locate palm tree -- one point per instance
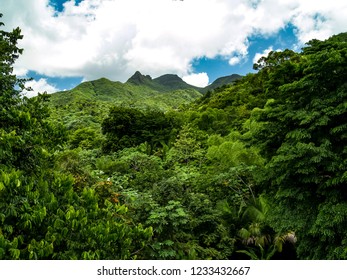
(258, 237)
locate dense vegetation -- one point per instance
(255, 169)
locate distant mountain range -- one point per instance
(170, 82)
(88, 104)
(165, 92)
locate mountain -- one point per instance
(167, 82)
(173, 82)
(139, 79)
(226, 80)
(89, 102)
(170, 82)
(140, 89)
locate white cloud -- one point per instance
(265, 53)
(234, 60)
(39, 86)
(114, 38)
(21, 72)
(320, 19)
(199, 80)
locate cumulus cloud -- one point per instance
(114, 38)
(199, 79)
(265, 53)
(39, 86)
(234, 60)
(319, 19)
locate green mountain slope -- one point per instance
(165, 92)
(164, 83)
(226, 80)
(170, 82)
(88, 103)
(141, 95)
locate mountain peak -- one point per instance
(172, 82)
(139, 79)
(226, 80)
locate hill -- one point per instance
(89, 103)
(170, 82)
(226, 80)
(164, 83)
(140, 91)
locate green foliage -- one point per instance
(89, 103)
(228, 107)
(129, 127)
(230, 152)
(43, 216)
(86, 138)
(253, 169)
(9, 52)
(25, 135)
(259, 239)
(165, 221)
(187, 148)
(303, 137)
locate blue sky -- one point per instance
(58, 4)
(67, 42)
(219, 66)
(214, 67)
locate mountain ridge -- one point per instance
(165, 92)
(169, 82)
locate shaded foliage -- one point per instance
(129, 127)
(303, 137)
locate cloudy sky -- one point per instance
(66, 42)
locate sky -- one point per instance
(68, 42)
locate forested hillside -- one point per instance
(256, 169)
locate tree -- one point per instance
(86, 138)
(187, 148)
(257, 236)
(9, 52)
(129, 127)
(41, 215)
(303, 136)
(23, 122)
